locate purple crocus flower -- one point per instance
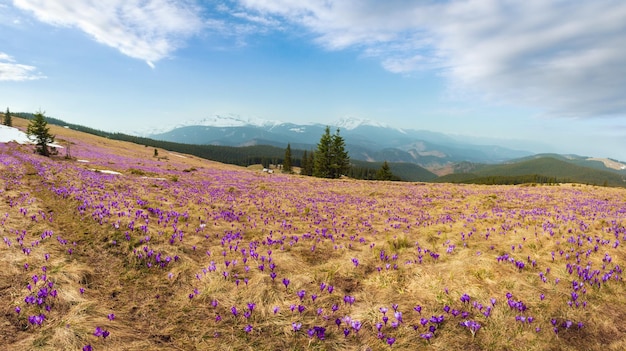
(286, 282)
(398, 316)
(301, 294)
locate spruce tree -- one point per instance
(304, 163)
(331, 158)
(384, 173)
(340, 162)
(39, 132)
(323, 156)
(310, 163)
(8, 121)
(287, 161)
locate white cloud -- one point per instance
(12, 71)
(148, 30)
(563, 57)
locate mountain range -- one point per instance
(530, 169)
(366, 140)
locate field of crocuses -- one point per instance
(178, 253)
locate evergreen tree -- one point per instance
(287, 161)
(340, 162)
(384, 173)
(331, 158)
(323, 156)
(265, 162)
(304, 164)
(310, 163)
(8, 121)
(39, 132)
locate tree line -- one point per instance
(329, 160)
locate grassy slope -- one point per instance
(545, 166)
(312, 229)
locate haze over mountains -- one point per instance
(366, 140)
(423, 156)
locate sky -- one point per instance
(541, 75)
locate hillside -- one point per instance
(523, 170)
(536, 170)
(603, 164)
(365, 140)
(115, 249)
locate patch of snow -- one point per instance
(153, 178)
(83, 161)
(298, 130)
(9, 134)
(181, 156)
(105, 171)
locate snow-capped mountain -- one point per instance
(365, 139)
(233, 121)
(350, 123)
(218, 120)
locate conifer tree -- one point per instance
(331, 158)
(310, 163)
(384, 173)
(39, 132)
(323, 156)
(287, 161)
(304, 163)
(340, 162)
(8, 121)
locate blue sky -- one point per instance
(544, 75)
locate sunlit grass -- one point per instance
(171, 259)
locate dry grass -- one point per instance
(314, 229)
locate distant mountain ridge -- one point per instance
(533, 169)
(547, 168)
(366, 140)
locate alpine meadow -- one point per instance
(109, 245)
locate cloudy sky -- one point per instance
(546, 72)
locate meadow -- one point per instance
(116, 249)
